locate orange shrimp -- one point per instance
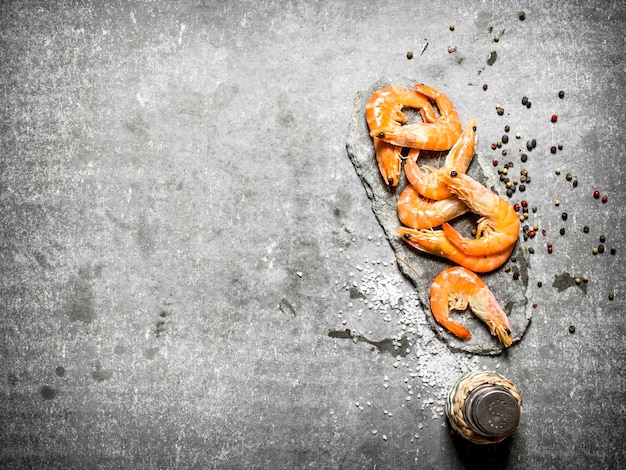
(428, 183)
(456, 288)
(419, 212)
(440, 134)
(498, 228)
(436, 243)
(384, 110)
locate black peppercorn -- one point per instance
(524, 100)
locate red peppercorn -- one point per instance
(596, 194)
(495, 163)
(549, 249)
(524, 203)
(532, 233)
(516, 207)
(534, 305)
(605, 198)
(544, 233)
(554, 118)
(494, 146)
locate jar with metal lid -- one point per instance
(484, 407)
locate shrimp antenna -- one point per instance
(407, 263)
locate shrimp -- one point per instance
(456, 288)
(440, 134)
(436, 243)
(419, 212)
(498, 228)
(428, 183)
(384, 109)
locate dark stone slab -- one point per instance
(510, 286)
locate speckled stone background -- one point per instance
(181, 225)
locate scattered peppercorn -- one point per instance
(613, 251)
(515, 276)
(586, 228)
(522, 187)
(553, 149)
(524, 158)
(585, 278)
(574, 183)
(564, 216)
(577, 281)
(560, 146)
(605, 198)
(521, 15)
(554, 118)
(562, 231)
(561, 94)
(528, 104)
(572, 329)
(507, 128)
(596, 194)
(594, 250)
(531, 250)
(611, 295)
(505, 139)
(495, 163)
(557, 171)
(451, 49)
(451, 26)
(409, 55)
(569, 177)
(496, 38)
(602, 238)
(524, 100)
(550, 250)
(529, 145)
(534, 142)
(600, 249)
(485, 86)
(557, 202)
(539, 284)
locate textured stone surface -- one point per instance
(181, 229)
(513, 295)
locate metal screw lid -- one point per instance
(492, 411)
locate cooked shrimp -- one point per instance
(498, 228)
(419, 212)
(436, 243)
(428, 183)
(456, 288)
(384, 110)
(440, 134)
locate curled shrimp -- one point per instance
(428, 183)
(456, 288)
(438, 134)
(498, 228)
(419, 212)
(436, 243)
(384, 110)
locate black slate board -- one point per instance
(513, 294)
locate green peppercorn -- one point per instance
(602, 238)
